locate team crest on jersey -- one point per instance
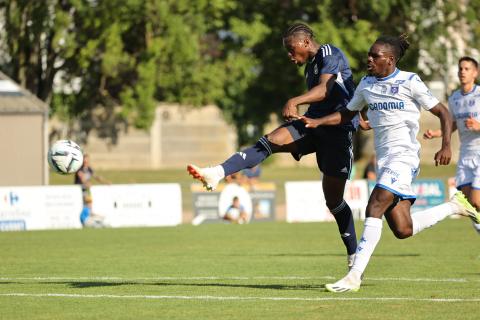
(394, 89)
(315, 69)
(471, 103)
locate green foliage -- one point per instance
(113, 61)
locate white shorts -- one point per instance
(468, 171)
(396, 174)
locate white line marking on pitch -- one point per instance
(119, 279)
(233, 298)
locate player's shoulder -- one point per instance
(455, 94)
(329, 50)
(367, 80)
(405, 76)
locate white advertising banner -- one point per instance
(305, 201)
(42, 207)
(133, 205)
(356, 195)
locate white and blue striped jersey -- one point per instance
(394, 110)
(463, 106)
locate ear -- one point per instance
(391, 60)
(306, 42)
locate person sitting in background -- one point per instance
(87, 217)
(85, 175)
(236, 213)
(252, 175)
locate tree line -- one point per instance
(106, 64)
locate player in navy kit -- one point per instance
(330, 88)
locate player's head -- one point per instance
(298, 40)
(384, 54)
(467, 70)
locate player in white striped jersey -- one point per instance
(394, 98)
(464, 105)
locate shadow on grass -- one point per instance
(97, 284)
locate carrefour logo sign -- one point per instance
(10, 198)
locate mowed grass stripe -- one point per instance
(286, 278)
(234, 298)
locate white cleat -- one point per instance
(464, 207)
(351, 282)
(210, 177)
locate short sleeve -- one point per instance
(421, 94)
(358, 101)
(330, 60)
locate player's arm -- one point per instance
(432, 134)
(472, 124)
(316, 94)
(443, 156)
(333, 119)
(363, 122)
(339, 117)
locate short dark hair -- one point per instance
(469, 59)
(399, 44)
(298, 29)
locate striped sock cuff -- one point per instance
(265, 144)
(339, 208)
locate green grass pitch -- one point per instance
(219, 271)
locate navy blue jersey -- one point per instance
(330, 60)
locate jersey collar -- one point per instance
(393, 74)
(471, 91)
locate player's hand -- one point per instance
(430, 134)
(290, 110)
(364, 125)
(443, 156)
(310, 123)
(472, 124)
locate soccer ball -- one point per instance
(65, 157)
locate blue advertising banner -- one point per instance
(430, 193)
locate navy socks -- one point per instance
(346, 227)
(247, 158)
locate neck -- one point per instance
(314, 50)
(388, 72)
(467, 87)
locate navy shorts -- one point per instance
(332, 145)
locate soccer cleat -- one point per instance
(349, 283)
(465, 208)
(210, 177)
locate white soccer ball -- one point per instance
(65, 157)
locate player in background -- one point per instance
(464, 105)
(394, 98)
(330, 87)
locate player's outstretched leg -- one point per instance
(248, 158)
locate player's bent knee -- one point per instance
(403, 233)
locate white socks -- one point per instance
(370, 237)
(427, 218)
(219, 171)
